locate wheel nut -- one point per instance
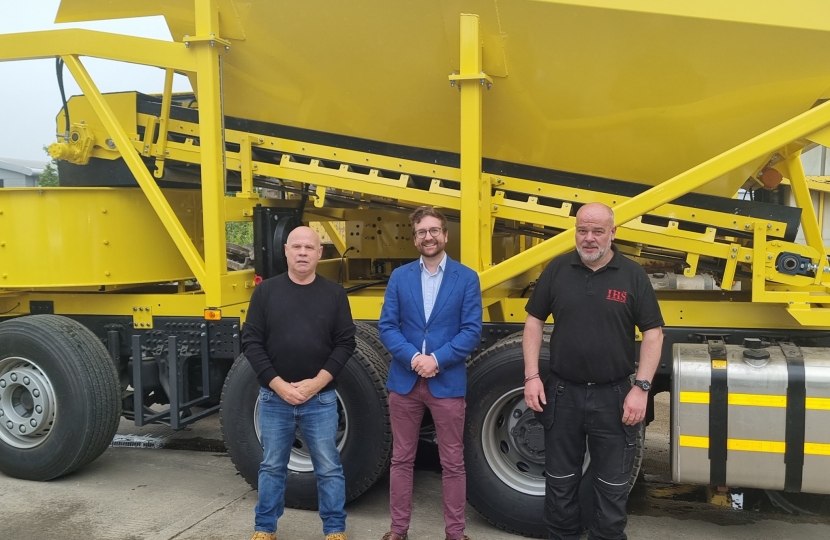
(2, 413)
(2, 383)
(36, 392)
(9, 424)
(39, 409)
(22, 428)
(33, 423)
(26, 381)
(517, 413)
(13, 377)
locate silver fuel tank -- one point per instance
(755, 416)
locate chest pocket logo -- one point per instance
(617, 296)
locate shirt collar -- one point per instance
(613, 263)
(441, 265)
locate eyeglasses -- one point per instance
(434, 232)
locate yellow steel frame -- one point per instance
(476, 221)
(361, 175)
(140, 172)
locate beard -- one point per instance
(601, 251)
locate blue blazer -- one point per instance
(451, 333)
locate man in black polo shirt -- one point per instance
(596, 297)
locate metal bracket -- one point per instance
(142, 317)
(187, 40)
(482, 77)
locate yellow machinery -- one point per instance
(509, 115)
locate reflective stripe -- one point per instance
(748, 445)
(755, 400)
(817, 449)
(694, 397)
(559, 477)
(609, 483)
(818, 404)
(692, 441)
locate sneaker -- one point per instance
(336, 536)
(393, 536)
(259, 535)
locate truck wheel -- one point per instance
(505, 476)
(60, 398)
(364, 435)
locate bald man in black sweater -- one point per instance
(298, 335)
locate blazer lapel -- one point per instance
(447, 285)
(415, 287)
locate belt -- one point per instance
(616, 382)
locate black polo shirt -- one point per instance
(594, 315)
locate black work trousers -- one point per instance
(575, 413)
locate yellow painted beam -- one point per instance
(212, 146)
(138, 169)
(476, 221)
(160, 147)
(809, 222)
(347, 180)
(663, 193)
(334, 235)
(135, 50)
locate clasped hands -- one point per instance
(425, 365)
(297, 392)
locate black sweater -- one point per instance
(293, 331)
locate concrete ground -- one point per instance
(166, 494)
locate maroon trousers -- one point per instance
(406, 412)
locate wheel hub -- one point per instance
(529, 436)
(27, 403)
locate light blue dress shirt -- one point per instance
(430, 285)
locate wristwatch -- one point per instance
(644, 385)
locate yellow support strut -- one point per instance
(476, 220)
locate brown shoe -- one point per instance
(258, 535)
(393, 536)
(465, 537)
(336, 536)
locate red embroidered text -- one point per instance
(616, 296)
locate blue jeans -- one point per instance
(317, 419)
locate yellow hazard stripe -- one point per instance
(691, 441)
(818, 404)
(817, 449)
(756, 400)
(694, 397)
(748, 445)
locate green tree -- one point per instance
(240, 232)
(49, 176)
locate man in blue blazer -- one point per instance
(430, 322)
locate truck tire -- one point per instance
(505, 479)
(364, 436)
(60, 397)
(371, 337)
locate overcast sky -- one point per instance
(29, 95)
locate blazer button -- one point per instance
(426, 331)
